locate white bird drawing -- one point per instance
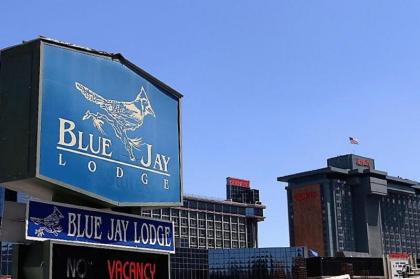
(122, 116)
(50, 223)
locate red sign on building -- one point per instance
(307, 218)
(398, 255)
(299, 197)
(238, 182)
(363, 163)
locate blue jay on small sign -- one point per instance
(50, 223)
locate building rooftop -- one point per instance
(114, 56)
(221, 201)
(350, 165)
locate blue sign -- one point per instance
(53, 221)
(105, 131)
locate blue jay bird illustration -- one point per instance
(50, 224)
(121, 116)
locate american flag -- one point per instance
(353, 140)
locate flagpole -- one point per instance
(353, 141)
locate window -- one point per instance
(202, 206)
(193, 222)
(184, 222)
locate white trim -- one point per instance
(181, 169)
(92, 245)
(40, 95)
(101, 245)
(100, 210)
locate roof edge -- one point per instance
(115, 56)
(325, 170)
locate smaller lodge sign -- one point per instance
(53, 221)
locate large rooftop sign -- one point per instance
(91, 122)
(231, 181)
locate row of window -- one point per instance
(214, 207)
(344, 217)
(195, 242)
(401, 223)
(193, 215)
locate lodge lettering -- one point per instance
(70, 139)
(89, 226)
(53, 221)
(96, 147)
(84, 226)
(150, 234)
(118, 231)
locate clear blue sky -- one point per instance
(271, 87)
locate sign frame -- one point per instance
(120, 59)
(99, 245)
(51, 244)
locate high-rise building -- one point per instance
(215, 223)
(351, 206)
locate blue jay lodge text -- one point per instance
(53, 221)
(118, 230)
(98, 148)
